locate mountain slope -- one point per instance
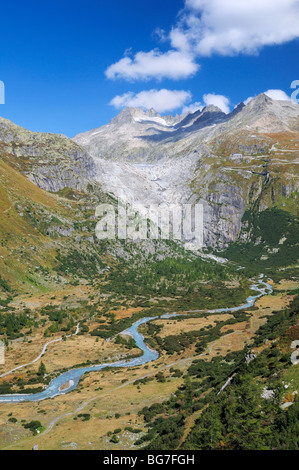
(225, 162)
(135, 135)
(48, 200)
(51, 161)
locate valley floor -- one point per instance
(108, 403)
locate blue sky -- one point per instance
(70, 66)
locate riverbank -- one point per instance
(58, 385)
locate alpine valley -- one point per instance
(197, 348)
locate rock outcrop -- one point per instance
(51, 161)
(222, 161)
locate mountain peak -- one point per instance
(126, 116)
(130, 114)
(152, 113)
(237, 109)
(211, 108)
(261, 100)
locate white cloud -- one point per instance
(274, 94)
(160, 34)
(161, 100)
(168, 100)
(277, 95)
(207, 27)
(238, 26)
(217, 100)
(250, 98)
(173, 64)
(192, 108)
(179, 40)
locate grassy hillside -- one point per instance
(257, 409)
(268, 238)
(267, 243)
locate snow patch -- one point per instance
(155, 120)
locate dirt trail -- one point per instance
(40, 355)
(52, 424)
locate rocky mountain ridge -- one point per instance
(222, 161)
(51, 161)
(225, 162)
(138, 136)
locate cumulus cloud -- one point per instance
(193, 107)
(161, 100)
(168, 100)
(221, 101)
(173, 64)
(250, 98)
(207, 27)
(217, 100)
(238, 26)
(277, 95)
(274, 94)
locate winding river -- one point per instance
(69, 380)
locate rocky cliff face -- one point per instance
(138, 136)
(223, 161)
(51, 161)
